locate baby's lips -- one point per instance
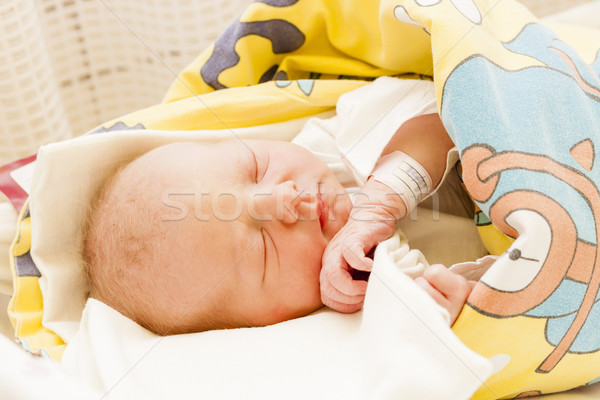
(322, 211)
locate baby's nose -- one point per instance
(297, 204)
(281, 203)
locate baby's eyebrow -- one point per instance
(255, 165)
(251, 157)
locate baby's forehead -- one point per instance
(179, 162)
(217, 154)
(187, 180)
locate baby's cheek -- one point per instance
(312, 277)
(251, 272)
(306, 296)
(304, 264)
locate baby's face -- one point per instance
(246, 224)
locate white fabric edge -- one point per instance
(394, 348)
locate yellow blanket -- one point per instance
(520, 101)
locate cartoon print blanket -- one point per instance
(520, 100)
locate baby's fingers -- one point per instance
(452, 286)
(341, 280)
(355, 257)
(452, 290)
(342, 303)
(431, 291)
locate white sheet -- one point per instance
(23, 377)
(400, 344)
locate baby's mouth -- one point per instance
(322, 208)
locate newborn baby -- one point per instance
(193, 236)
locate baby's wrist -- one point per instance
(404, 176)
(378, 198)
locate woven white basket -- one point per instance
(66, 66)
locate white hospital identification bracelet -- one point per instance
(404, 176)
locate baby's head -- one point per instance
(193, 236)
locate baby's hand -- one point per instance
(448, 289)
(372, 220)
